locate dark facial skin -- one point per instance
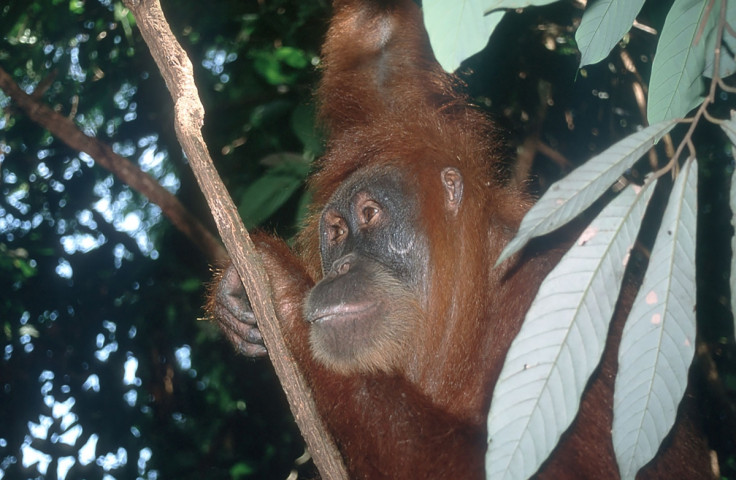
(374, 214)
(364, 310)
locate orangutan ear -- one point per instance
(452, 180)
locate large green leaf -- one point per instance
(676, 85)
(458, 29)
(602, 26)
(269, 192)
(658, 341)
(560, 344)
(567, 198)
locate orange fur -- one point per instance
(386, 102)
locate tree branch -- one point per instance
(65, 129)
(178, 73)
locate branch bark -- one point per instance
(64, 129)
(178, 73)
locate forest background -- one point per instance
(105, 370)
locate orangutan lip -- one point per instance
(342, 311)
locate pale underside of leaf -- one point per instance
(658, 341)
(457, 30)
(676, 85)
(727, 65)
(561, 342)
(569, 197)
(491, 5)
(603, 24)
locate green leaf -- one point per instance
(457, 29)
(676, 86)
(241, 470)
(280, 66)
(292, 57)
(658, 341)
(269, 192)
(560, 343)
(303, 124)
(76, 6)
(567, 198)
(602, 26)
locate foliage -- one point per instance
(105, 370)
(544, 376)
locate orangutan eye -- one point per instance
(370, 212)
